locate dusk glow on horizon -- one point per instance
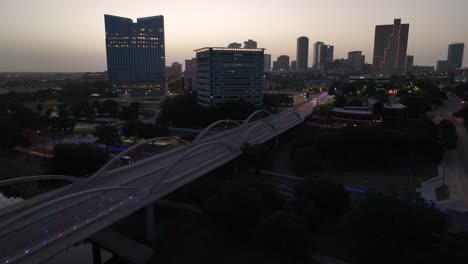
(69, 36)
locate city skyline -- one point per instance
(69, 37)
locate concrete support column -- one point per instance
(150, 223)
(96, 253)
(277, 141)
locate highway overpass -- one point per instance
(34, 230)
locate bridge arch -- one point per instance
(288, 113)
(253, 128)
(247, 120)
(208, 128)
(117, 157)
(183, 156)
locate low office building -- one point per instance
(293, 97)
(389, 114)
(229, 74)
(148, 105)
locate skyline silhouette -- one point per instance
(52, 35)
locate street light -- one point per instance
(43, 142)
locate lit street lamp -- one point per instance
(43, 142)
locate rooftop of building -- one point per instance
(227, 49)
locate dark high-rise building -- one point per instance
(282, 63)
(250, 44)
(189, 74)
(267, 61)
(442, 66)
(356, 61)
(234, 45)
(174, 70)
(293, 66)
(325, 56)
(316, 53)
(455, 55)
(390, 46)
(136, 54)
(302, 55)
(190, 67)
(275, 66)
(225, 74)
(409, 63)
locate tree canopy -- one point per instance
(108, 135)
(385, 228)
(77, 160)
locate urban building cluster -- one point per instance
(137, 65)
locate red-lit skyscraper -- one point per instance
(390, 46)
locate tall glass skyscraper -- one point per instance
(390, 47)
(302, 55)
(316, 53)
(136, 54)
(455, 55)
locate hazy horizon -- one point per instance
(65, 36)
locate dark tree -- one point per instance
(284, 234)
(77, 160)
(128, 113)
(96, 106)
(305, 160)
(39, 107)
(11, 135)
(63, 110)
(448, 134)
(236, 208)
(132, 129)
(110, 107)
(135, 106)
(182, 111)
(385, 228)
(148, 131)
(340, 101)
(108, 135)
(27, 119)
(329, 198)
(62, 124)
(258, 157)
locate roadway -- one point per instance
(454, 163)
(34, 232)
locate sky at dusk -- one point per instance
(59, 35)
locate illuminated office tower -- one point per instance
(390, 47)
(136, 54)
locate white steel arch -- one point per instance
(254, 114)
(254, 127)
(208, 128)
(125, 152)
(183, 156)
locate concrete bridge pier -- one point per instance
(96, 253)
(150, 223)
(277, 141)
